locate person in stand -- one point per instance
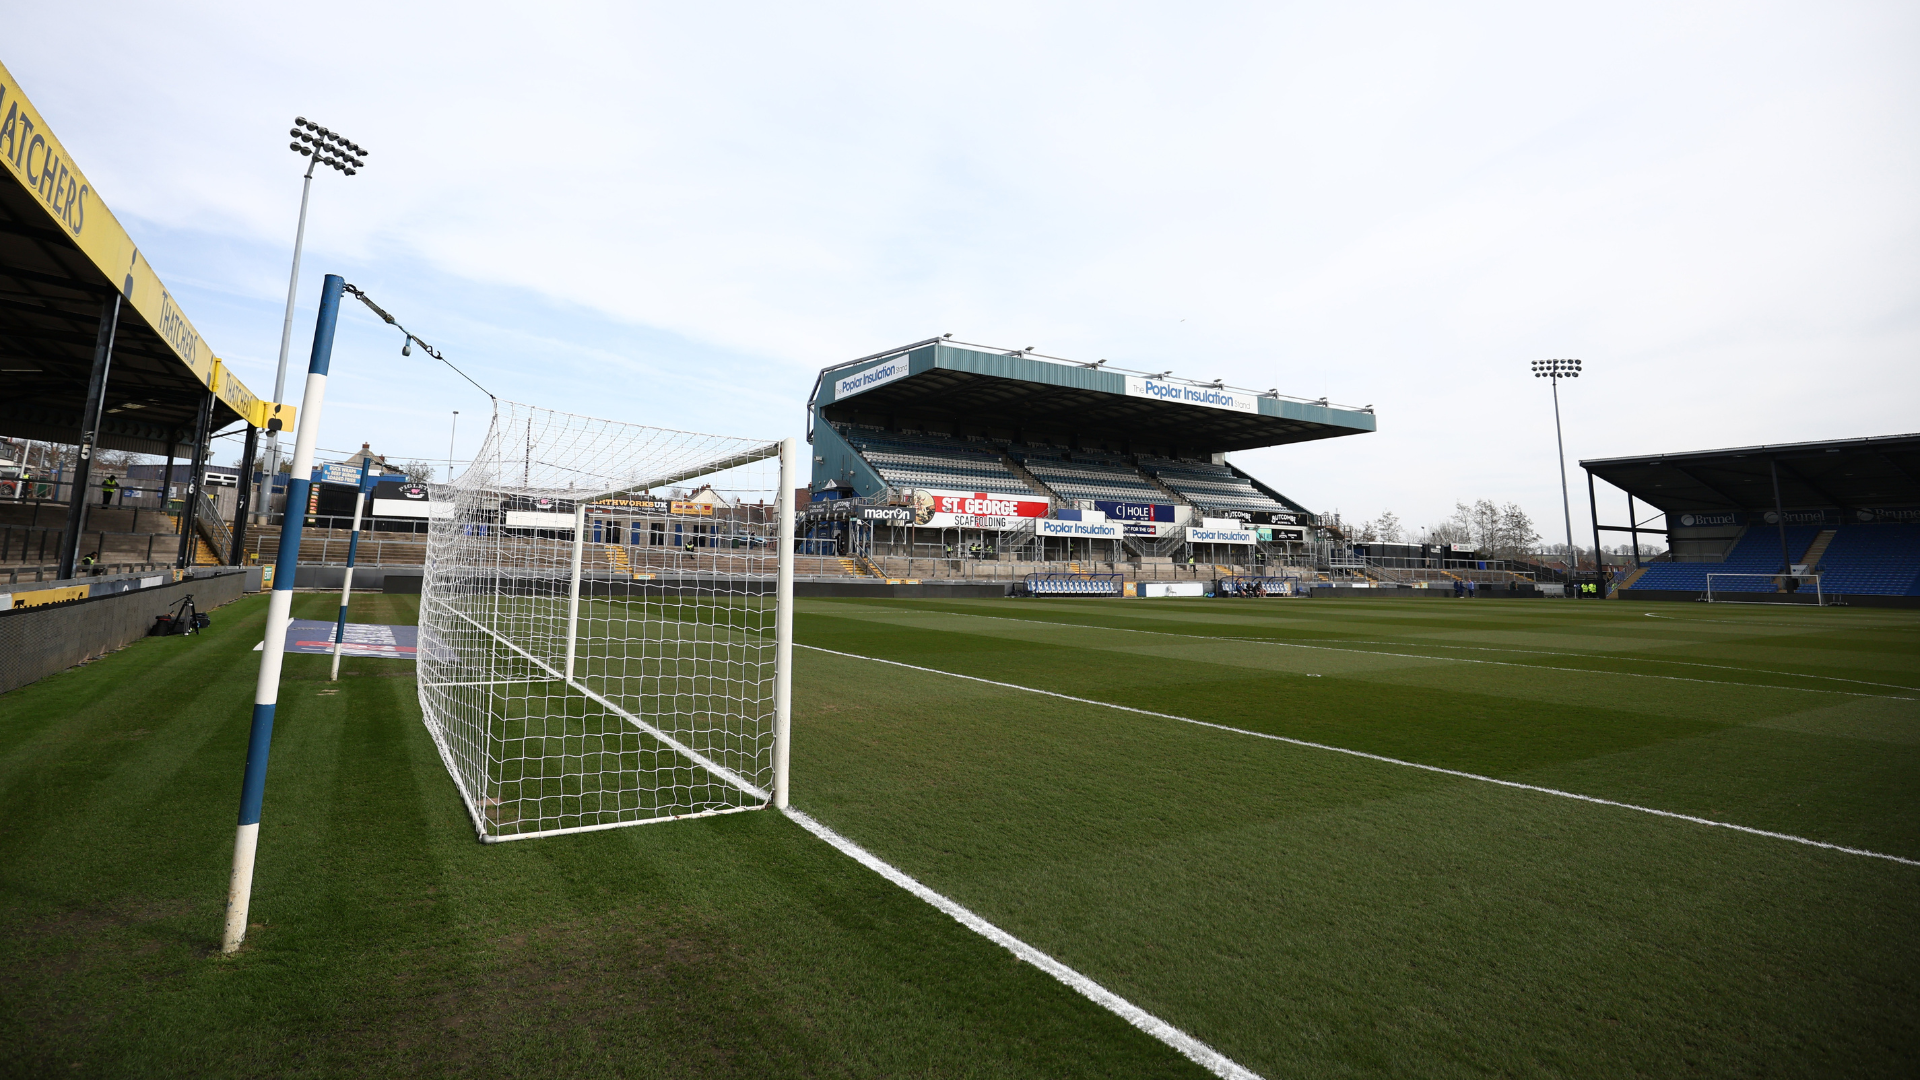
(87, 561)
(108, 488)
(689, 547)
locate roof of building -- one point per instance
(1881, 471)
(63, 260)
(947, 383)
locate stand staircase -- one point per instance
(1817, 549)
(1028, 478)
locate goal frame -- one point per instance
(1819, 597)
(770, 788)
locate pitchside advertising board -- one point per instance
(973, 510)
(1220, 536)
(1079, 530)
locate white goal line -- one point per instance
(689, 752)
(1556, 792)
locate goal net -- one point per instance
(605, 623)
(1728, 588)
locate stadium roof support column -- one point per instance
(89, 434)
(1599, 566)
(245, 491)
(1780, 517)
(190, 513)
(1633, 524)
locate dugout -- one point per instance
(95, 351)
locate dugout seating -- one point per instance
(1086, 474)
(935, 461)
(1210, 486)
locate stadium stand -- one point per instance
(1211, 486)
(1082, 474)
(1756, 552)
(1872, 560)
(935, 461)
(1851, 508)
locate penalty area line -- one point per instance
(1186, 1045)
(1515, 784)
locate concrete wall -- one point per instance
(36, 642)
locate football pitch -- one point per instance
(1326, 838)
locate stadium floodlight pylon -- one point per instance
(606, 624)
(1733, 587)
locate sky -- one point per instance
(677, 214)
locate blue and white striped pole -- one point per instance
(266, 692)
(346, 587)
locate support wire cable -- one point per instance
(413, 339)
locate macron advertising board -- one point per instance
(973, 510)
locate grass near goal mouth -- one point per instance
(1306, 913)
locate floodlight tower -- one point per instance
(1557, 370)
(321, 147)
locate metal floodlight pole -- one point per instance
(321, 147)
(1557, 370)
(266, 694)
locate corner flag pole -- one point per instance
(346, 587)
(266, 694)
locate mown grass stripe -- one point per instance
(1594, 799)
(1441, 659)
(1186, 1045)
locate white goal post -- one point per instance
(1731, 588)
(606, 624)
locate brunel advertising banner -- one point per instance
(1129, 511)
(973, 510)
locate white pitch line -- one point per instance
(1383, 758)
(1189, 1047)
(1440, 659)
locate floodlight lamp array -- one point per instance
(1556, 369)
(328, 147)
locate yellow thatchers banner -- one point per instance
(42, 166)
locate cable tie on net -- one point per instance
(412, 337)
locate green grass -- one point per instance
(1307, 913)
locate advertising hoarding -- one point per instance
(1084, 530)
(1220, 536)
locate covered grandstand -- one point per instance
(1846, 510)
(943, 449)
